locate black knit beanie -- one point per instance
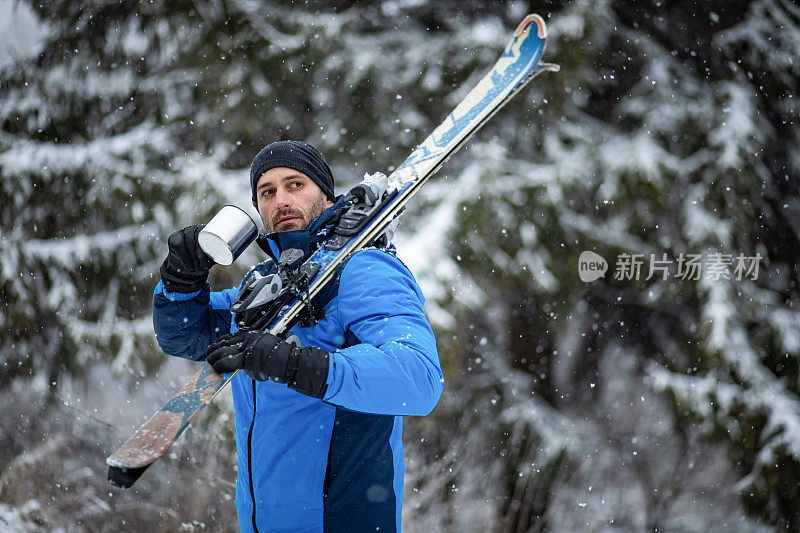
(297, 155)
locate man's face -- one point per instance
(288, 200)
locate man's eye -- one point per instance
(267, 192)
(297, 184)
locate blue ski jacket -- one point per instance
(336, 463)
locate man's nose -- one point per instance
(282, 198)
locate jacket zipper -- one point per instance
(250, 458)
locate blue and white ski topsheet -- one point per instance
(517, 66)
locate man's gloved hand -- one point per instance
(186, 267)
(264, 356)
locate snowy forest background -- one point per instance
(630, 404)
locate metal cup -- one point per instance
(227, 235)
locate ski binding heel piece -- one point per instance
(258, 291)
(355, 219)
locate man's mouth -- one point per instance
(286, 218)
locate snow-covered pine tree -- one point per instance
(669, 131)
(97, 169)
(132, 121)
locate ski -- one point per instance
(516, 67)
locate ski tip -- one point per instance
(551, 67)
(541, 31)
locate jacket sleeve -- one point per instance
(185, 324)
(395, 369)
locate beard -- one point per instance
(302, 217)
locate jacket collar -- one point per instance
(304, 239)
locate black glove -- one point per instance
(186, 267)
(264, 356)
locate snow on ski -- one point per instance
(518, 64)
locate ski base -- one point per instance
(150, 442)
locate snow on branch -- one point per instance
(432, 231)
(71, 252)
(755, 388)
(771, 31)
(118, 154)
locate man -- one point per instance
(318, 427)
